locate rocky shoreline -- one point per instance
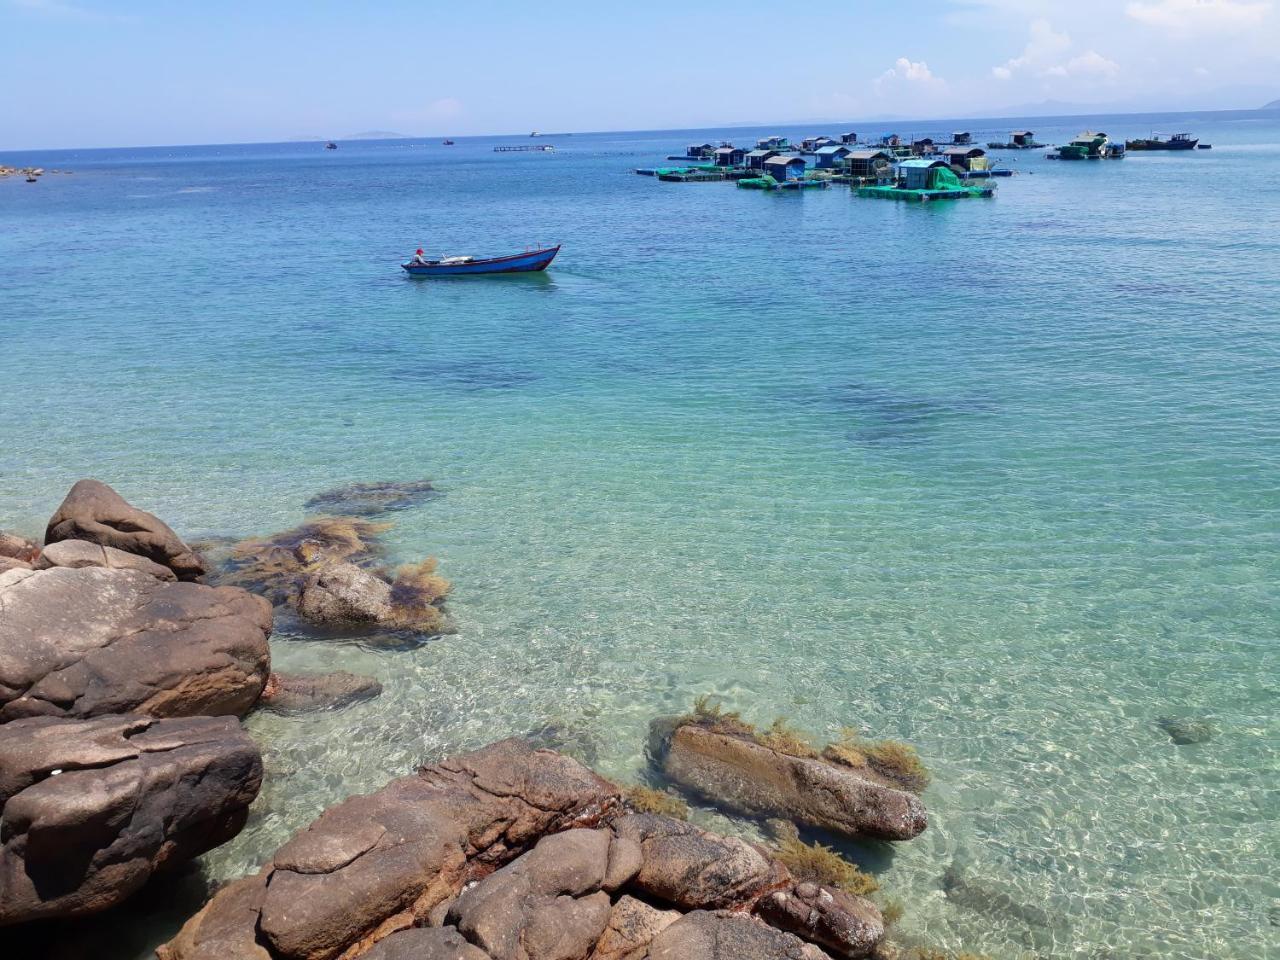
(128, 658)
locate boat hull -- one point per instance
(1162, 144)
(530, 262)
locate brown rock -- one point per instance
(13, 563)
(694, 869)
(632, 925)
(423, 943)
(81, 642)
(298, 692)
(15, 547)
(703, 935)
(93, 511)
(737, 773)
(92, 808)
(82, 553)
(381, 863)
(845, 925)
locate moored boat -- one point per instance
(530, 261)
(331, 145)
(1178, 141)
(448, 143)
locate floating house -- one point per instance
(849, 137)
(923, 147)
(966, 157)
(918, 174)
(785, 168)
(961, 138)
(1089, 145)
(756, 158)
(890, 140)
(1018, 140)
(773, 143)
(867, 163)
(700, 151)
(814, 144)
(829, 156)
(729, 156)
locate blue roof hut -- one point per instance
(785, 168)
(917, 173)
(829, 157)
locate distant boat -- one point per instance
(530, 261)
(331, 145)
(31, 179)
(1179, 141)
(535, 134)
(448, 143)
(1087, 146)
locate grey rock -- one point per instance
(93, 808)
(82, 642)
(425, 943)
(93, 511)
(632, 925)
(844, 925)
(341, 592)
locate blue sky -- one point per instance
(97, 73)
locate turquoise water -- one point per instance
(996, 477)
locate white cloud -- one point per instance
(1091, 64)
(1044, 55)
(1192, 16)
(908, 71)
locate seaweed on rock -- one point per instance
(891, 759)
(648, 800)
(815, 863)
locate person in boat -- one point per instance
(419, 257)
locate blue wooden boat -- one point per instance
(527, 262)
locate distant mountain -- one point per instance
(378, 135)
(1273, 105)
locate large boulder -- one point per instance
(341, 592)
(735, 771)
(381, 863)
(82, 553)
(695, 869)
(93, 511)
(92, 808)
(301, 692)
(632, 926)
(82, 642)
(721, 935)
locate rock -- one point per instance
(340, 593)
(82, 553)
(82, 642)
(1186, 730)
(632, 925)
(423, 943)
(735, 772)
(15, 547)
(93, 511)
(92, 808)
(299, 692)
(693, 869)
(548, 904)
(13, 563)
(381, 863)
(371, 499)
(703, 935)
(845, 925)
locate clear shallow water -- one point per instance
(996, 477)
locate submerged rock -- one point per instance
(94, 512)
(301, 692)
(92, 808)
(372, 499)
(731, 769)
(82, 642)
(329, 569)
(1187, 730)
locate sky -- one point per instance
(83, 73)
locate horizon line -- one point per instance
(564, 133)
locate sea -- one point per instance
(997, 477)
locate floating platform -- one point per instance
(983, 174)
(526, 148)
(690, 176)
(902, 193)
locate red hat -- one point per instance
(419, 250)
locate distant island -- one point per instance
(1273, 105)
